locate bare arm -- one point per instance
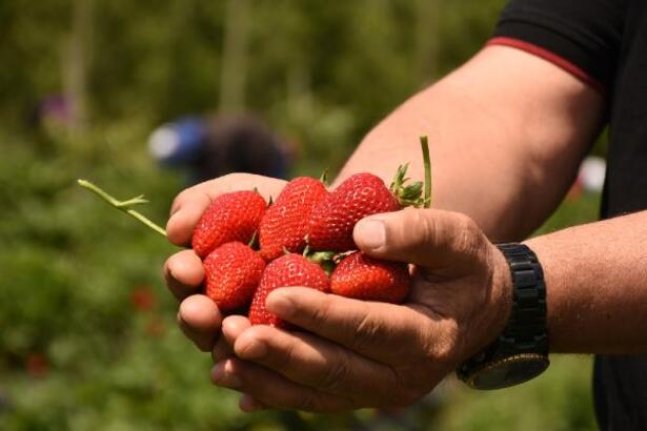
(596, 276)
(507, 131)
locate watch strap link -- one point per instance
(526, 328)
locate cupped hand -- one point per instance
(355, 354)
(198, 316)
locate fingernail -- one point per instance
(222, 375)
(370, 233)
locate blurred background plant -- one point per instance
(88, 338)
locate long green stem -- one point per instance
(124, 205)
(426, 160)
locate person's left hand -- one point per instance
(198, 316)
(355, 354)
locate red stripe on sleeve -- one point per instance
(551, 57)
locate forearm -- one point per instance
(596, 280)
(506, 133)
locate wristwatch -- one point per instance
(520, 353)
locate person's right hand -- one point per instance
(352, 354)
(198, 316)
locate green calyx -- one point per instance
(325, 259)
(407, 195)
(417, 194)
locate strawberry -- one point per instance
(285, 223)
(288, 270)
(332, 221)
(232, 273)
(362, 277)
(232, 216)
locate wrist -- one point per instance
(502, 292)
(495, 313)
(520, 352)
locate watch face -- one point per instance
(510, 371)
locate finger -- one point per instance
(272, 390)
(189, 205)
(314, 362)
(232, 327)
(443, 241)
(183, 273)
(200, 319)
(185, 213)
(383, 332)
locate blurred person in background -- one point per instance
(207, 147)
(508, 131)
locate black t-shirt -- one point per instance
(604, 43)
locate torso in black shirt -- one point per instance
(607, 39)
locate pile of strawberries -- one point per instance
(304, 238)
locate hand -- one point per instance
(198, 316)
(357, 354)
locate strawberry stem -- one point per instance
(426, 160)
(124, 206)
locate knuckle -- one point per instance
(426, 227)
(285, 361)
(403, 389)
(469, 238)
(335, 374)
(308, 402)
(282, 353)
(368, 328)
(443, 346)
(319, 315)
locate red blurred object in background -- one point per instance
(37, 365)
(143, 298)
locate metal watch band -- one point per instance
(524, 340)
(526, 328)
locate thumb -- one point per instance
(442, 241)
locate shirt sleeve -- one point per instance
(581, 36)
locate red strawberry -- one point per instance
(362, 277)
(288, 270)
(285, 223)
(232, 273)
(333, 219)
(233, 216)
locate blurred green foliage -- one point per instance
(320, 73)
(88, 337)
